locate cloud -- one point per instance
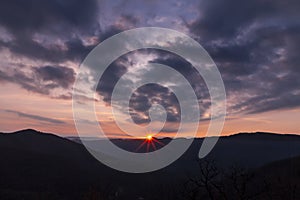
(143, 97)
(36, 117)
(72, 49)
(61, 76)
(49, 30)
(146, 96)
(42, 15)
(254, 48)
(217, 19)
(41, 80)
(255, 44)
(110, 78)
(124, 22)
(275, 93)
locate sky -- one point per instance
(255, 45)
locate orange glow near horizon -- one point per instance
(150, 141)
(149, 137)
(39, 107)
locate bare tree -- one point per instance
(214, 183)
(206, 182)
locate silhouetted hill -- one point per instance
(37, 162)
(288, 169)
(255, 149)
(263, 135)
(39, 165)
(249, 150)
(279, 179)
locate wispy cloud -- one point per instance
(36, 117)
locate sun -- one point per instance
(150, 142)
(149, 137)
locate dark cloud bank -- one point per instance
(255, 44)
(256, 47)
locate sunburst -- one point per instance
(149, 140)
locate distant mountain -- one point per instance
(36, 165)
(253, 150)
(249, 150)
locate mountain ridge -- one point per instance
(31, 130)
(35, 161)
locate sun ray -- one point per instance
(150, 143)
(141, 145)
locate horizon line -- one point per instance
(141, 138)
